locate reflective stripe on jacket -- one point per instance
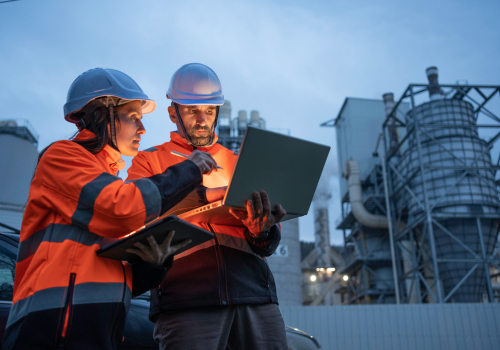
(231, 269)
(64, 294)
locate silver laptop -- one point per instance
(286, 167)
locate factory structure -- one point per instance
(19, 154)
(420, 195)
(231, 130)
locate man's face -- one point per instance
(197, 120)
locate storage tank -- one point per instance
(242, 122)
(224, 119)
(18, 156)
(256, 120)
(285, 265)
(447, 153)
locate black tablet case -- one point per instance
(159, 229)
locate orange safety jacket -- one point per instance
(64, 294)
(231, 269)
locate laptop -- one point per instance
(287, 168)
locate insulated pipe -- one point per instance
(351, 173)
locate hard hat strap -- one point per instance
(112, 126)
(182, 125)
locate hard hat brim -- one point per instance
(147, 107)
(218, 101)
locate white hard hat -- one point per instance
(195, 84)
(100, 82)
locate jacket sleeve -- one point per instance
(146, 276)
(141, 167)
(75, 186)
(266, 244)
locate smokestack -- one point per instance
(393, 130)
(388, 103)
(321, 224)
(435, 91)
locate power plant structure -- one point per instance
(420, 218)
(18, 156)
(232, 130)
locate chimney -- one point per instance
(435, 91)
(388, 103)
(393, 130)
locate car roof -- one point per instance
(302, 333)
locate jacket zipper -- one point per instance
(115, 320)
(267, 280)
(68, 310)
(222, 275)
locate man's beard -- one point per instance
(200, 141)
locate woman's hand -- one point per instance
(157, 254)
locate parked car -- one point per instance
(138, 334)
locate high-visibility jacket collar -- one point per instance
(176, 138)
(112, 157)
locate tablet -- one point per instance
(159, 230)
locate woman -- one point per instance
(65, 296)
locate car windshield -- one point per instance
(7, 269)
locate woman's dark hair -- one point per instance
(95, 120)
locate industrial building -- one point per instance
(231, 130)
(18, 142)
(420, 199)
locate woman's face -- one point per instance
(130, 128)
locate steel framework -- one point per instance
(366, 251)
(417, 265)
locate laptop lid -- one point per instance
(286, 167)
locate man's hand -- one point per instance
(215, 194)
(204, 161)
(157, 254)
(258, 217)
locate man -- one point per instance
(221, 293)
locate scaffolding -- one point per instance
(445, 242)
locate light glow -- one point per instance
(345, 278)
(313, 278)
(330, 269)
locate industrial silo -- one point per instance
(447, 165)
(224, 119)
(256, 120)
(242, 122)
(285, 265)
(18, 156)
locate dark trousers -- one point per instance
(240, 327)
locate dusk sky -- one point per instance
(294, 61)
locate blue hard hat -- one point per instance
(195, 84)
(100, 82)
